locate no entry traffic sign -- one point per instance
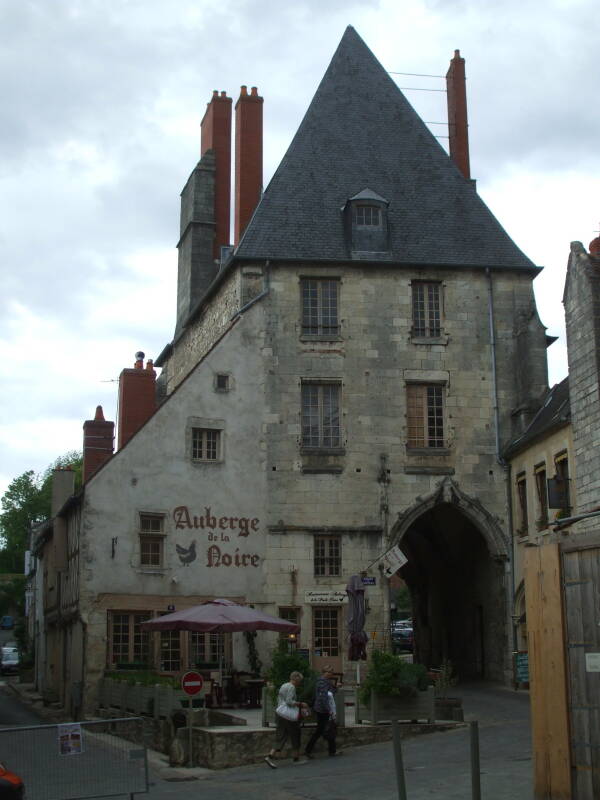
(192, 682)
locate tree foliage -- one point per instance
(27, 502)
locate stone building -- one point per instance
(341, 378)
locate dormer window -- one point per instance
(366, 225)
(368, 216)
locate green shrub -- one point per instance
(283, 664)
(144, 677)
(389, 674)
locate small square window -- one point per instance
(222, 382)
(206, 444)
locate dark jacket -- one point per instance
(323, 686)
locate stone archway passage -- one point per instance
(457, 592)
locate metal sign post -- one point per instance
(191, 684)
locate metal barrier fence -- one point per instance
(72, 761)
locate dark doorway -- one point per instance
(457, 594)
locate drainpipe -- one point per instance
(501, 461)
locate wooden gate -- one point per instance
(562, 587)
(581, 591)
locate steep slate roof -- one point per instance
(554, 413)
(360, 132)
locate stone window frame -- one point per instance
(521, 491)
(430, 404)
(222, 382)
(418, 336)
(205, 424)
(327, 555)
(321, 334)
(321, 447)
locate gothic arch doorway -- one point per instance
(456, 576)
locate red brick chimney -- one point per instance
(137, 398)
(248, 157)
(98, 443)
(458, 130)
(215, 130)
(594, 247)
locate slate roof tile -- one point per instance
(360, 131)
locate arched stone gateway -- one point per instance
(456, 574)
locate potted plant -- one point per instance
(394, 689)
(446, 707)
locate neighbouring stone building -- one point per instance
(341, 379)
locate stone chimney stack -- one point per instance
(215, 130)
(458, 129)
(63, 486)
(137, 398)
(248, 158)
(98, 444)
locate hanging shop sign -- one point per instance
(392, 561)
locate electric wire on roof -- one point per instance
(416, 74)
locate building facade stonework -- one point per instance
(341, 381)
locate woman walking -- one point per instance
(288, 715)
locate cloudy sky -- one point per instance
(99, 129)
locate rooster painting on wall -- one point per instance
(186, 554)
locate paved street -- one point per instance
(437, 765)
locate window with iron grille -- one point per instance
(151, 540)
(320, 307)
(542, 496)
(328, 555)
(326, 631)
(522, 498)
(425, 415)
(205, 444)
(128, 642)
(426, 306)
(368, 216)
(321, 415)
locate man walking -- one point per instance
(324, 708)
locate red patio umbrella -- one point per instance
(220, 616)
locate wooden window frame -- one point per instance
(151, 534)
(320, 308)
(205, 445)
(367, 215)
(138, 642)
(327, 557)
(319, 628)
(426, 416)
(320, 415)
(427, 308)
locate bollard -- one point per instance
(400, 782)
(475, 769)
